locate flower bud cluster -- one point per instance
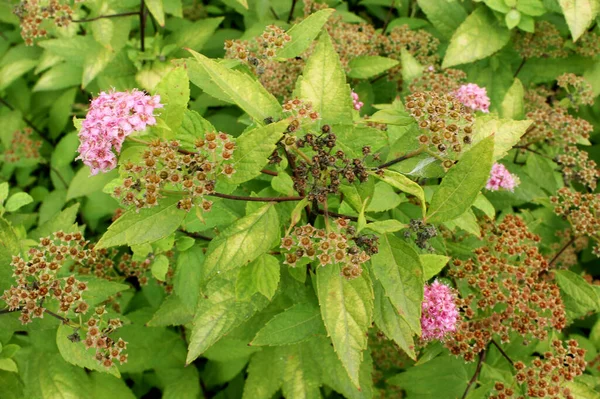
(255, 52)
(166, 166)
(548, 374)
(556, 126)
(108, 351)
(33, 13)
(22, 147)
(111, 118)
(576, 165)
(547, 42)
(299, 111)
(356, 101)
(445, 80)
(446, 122)
(37, 277)
(331, 247)
(582, 211)
(578, 90)
(568, 252)
(509, 291)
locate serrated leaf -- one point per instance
(398, 267)
(506, 133)
(252, 150)
(304, 33)
(403, 183)
(368, 66)
(188, 274)
(513, 104)
(17, 201)
(296, 324)
(462, 183)
(323, 84)
(579, 15)
(261, 275)
(445, 15)
(432, 264)
(63, 221)
(347, 311)
(160, 267)
(301, 378)
(146, 226)
(174, 91)
(156, 9)
(478, 37)
(242, 89)
(194, 35)
(579, 296)
(243, 241)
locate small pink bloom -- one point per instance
(474, 97)
(439, 314)
(355, 101)
(501, 178)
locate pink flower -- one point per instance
(501, 178)
(357, 104)
(111, 118)
(474, 97)
(439, 314)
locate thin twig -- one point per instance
(503, 353)
(257, 199)
(563, 249)
(197, 236)
(402, 158)
(123, 14)
(269, 172)
(27, 121)
(292, 11)
(388, 17)
(142, 26)
(521, 65)
(477, 371)
(526, 148)
(337, 215)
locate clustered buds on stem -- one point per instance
(108, 351)
(445, 80)
(547, 42)
(33, 13)
(22, 147)
(424, 232)
(578, 90)
(510, 272)
(576, 166)
(166, 166)
(330, 247)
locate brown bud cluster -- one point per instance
(33, 13)
(568, 252)
(22, 147)
(300, 111)
(262, 48)
(447, 124)
(37, 278)
(578, 90)
(166, 166)
(323, 173)
(443, 81)
(329, 247)
(582, 211)
(423, 231)
(547, 42)
(108, 351)
(576, 166)
(508, 291)
(547, 375)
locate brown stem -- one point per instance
(563, 249)
(63, 319)
(388, 17)
(27, 121)
(526, 148)
(123, 14)
(142, 26)
(197, 236)
(402, 158)
(269, 172)
(7, 310)
(521, 65)
(503, 353)
(257, 199)
(477, 371)
(292, 11)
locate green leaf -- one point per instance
(63, 221)
(484, 205)
(398, 267)
(172, 312)
(9, 247)
(146, 226)
(391, 324)
(353, 138)
(243, 241)
(301, 379)
(193, 127)
(411, 68)
(156, 9)
(512, 18)
(478, 37)
(160, 267)
(445, 15)
(174, 91)
(12, 71)
(513, 105)
(84, 183)
(323, 84)
(105, 386)
(99, 290)
(534, 8)
(462, 183)
(47, 375)
(579, 15)
(261, 385)
(579, 296)
(467, 221)
(385, 226)
(304, 33)
(506, 133)
(8, 365)
(403, 183)
(433, 264)
(252, 150)
(75, 352)
(242, 89)
(347, 311)
(188, 275)
(194, 35)
(296, 324)
(261, 275)
(216, 315)
(3, 192)
(368, 66)
(18, 200)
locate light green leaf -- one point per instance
(467, 221)
(323, 84)
(242, 89)
(3, 192)
(478, 37)
(484, 205)
(156, 9)
(301, 378)
(8, 365)
(368, 66)
(432, 264)
(252, 150)
(411, 68)
(75, 352)
(261, 275)
(261, 385)
(105, 386)
(445, 15)
(243, 241)
(174, 91)
(12, 71)
(18, 200)
(298, 323)
(146, 226)
(85, 184)
(506, 133)
(462, 183)
(579, 296)
(385, 226)
(188, 275)
(579, 15)
(99, 290)
(403, 183)
(398, 267)
(512, 18)
(391, 324)
(172, 312)
(347, 311)
(160, 267)
(194, 35)
(513, 105)
(63, 221)
(9, 247)
(304, 33)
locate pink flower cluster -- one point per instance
(501, 178)
(474, 97)
(439, 313)
(355, 101)
(111, 118)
